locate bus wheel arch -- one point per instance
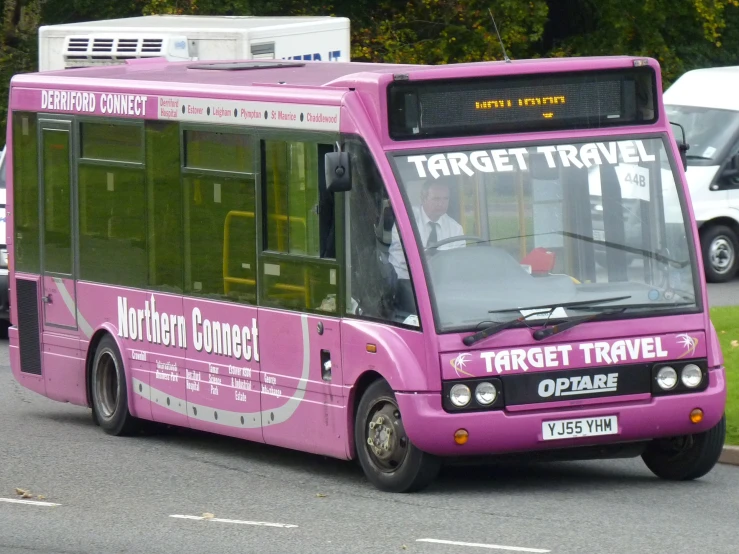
(719, 240)
(390, 461)
(107, 386)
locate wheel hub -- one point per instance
(721, 254)
(386, 439)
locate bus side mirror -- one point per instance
(338, 172)
(683, 146)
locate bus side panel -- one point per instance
(223, 368)
(302, 408)
(400, 356)
(64, 369)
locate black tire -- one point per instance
(720, 251)
(686, 458)
(415, 470)
(108, 391)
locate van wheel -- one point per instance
(389, 459)
(719, 245)
(109, 392)
(687, 457)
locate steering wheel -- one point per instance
(458, 238)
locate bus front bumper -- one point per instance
(432, 429)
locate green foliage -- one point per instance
(446, 31)
(680, 35)
(725, 320)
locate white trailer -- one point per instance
(191, 37)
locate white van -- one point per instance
(705, 103)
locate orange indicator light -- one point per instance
(461, 436)
(371, 348)
(696, 416)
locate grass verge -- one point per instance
(726, 321)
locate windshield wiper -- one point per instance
(541, 334)
(497, 327)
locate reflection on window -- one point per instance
(548, 223)
(291, 197)
(164, 210)
(111, 141)
(112, 221)
(299, 220)
(25, 197)
(220, 236)
(219, 151)
(57, 208)
(376, 290)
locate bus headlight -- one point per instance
(460, 395)
(667, 378)
(691, 376)
(4, 258)
(486, 393)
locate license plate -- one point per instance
(599, 235)
(583, 427)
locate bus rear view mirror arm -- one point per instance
(683, 147)
(338, 172)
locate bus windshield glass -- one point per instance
(505, 228)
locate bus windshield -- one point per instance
(508, 228)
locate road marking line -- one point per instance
(261, 523)
(489, 546)
(32, 502)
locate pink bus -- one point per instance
(397, 264)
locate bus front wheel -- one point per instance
(109, 391)
(687, 457)
(389, 459)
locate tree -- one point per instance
(18, 46)
(446, 31)
(680, 35)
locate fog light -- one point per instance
(696, 416)
(667, 378)
(691, 376)
(460, 395)
(461, 436)
(485, 393)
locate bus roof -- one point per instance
(235, 73)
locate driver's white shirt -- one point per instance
(446, 227)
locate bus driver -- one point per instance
(434, 225)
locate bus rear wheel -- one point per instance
(687, 457)
(389, 459)
(109, 391)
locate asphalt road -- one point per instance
(117, 495)
(724, 294)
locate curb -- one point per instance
(730, 455)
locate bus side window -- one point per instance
(298, 266)
(112, 203)
(219, 184)
(373, 288)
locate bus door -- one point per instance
(299, 304)
(57, 244)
